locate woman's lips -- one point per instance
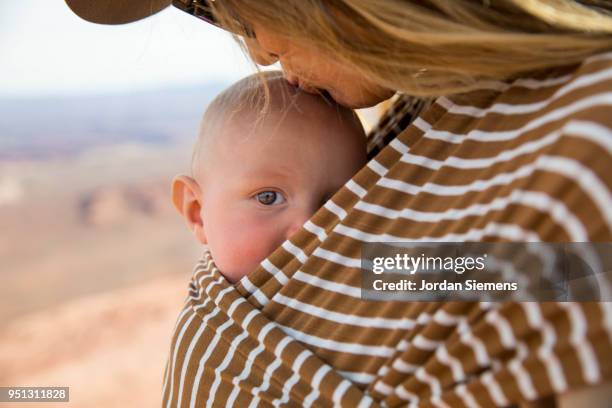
(308, 88)
(325, 94)
(295, 81)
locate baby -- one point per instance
(266, 159)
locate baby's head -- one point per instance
(260, 170)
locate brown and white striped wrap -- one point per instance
(526, 160)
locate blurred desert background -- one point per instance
(94, 261)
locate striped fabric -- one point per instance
(527, 160)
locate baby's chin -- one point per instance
(233, 275)
(239, 262)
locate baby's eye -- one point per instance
(270, 198)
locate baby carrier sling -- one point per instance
(296, 332)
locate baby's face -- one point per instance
(260, 187)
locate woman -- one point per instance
(517, 147)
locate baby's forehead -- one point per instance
(271, 134)
(249, 118)
(275, 118)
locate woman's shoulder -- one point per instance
(533, 104)
(596, 70)
(547, 135)
(559, 93)
(583, 90)
(556, 95)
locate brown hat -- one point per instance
(116, 11)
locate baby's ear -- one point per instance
(186, 197)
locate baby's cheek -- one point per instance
(251, 243)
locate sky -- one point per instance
(46, 50)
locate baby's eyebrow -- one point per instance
(263, 178)
(265, 173)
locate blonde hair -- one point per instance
(248, 95)
(435, 47)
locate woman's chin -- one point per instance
(358, 101)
